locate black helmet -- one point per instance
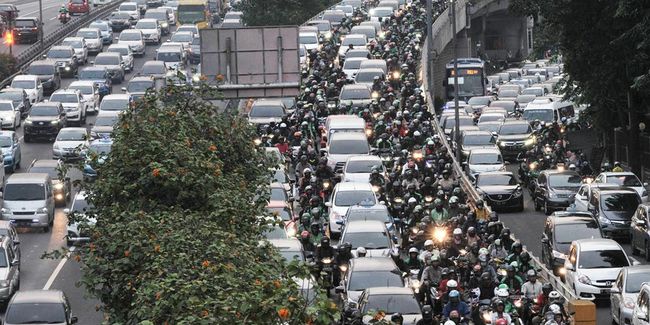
(479, 203)
(516, 245)
(427, 312)
(524, 257)
(547, 288)
(325, 241)
(397, 318)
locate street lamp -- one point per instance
(456, 109)
(40, 22)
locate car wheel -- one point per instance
(27, 139)
(547, 209)
(46, 229)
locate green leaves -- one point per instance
(280, 12)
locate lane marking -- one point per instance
(57, 270)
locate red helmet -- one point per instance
(501, 321)
(304, 234)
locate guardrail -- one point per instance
(36, 50)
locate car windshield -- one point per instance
(6, 106)
(100, 148)
(52, 171)
(308, 39)
(533, 91)
(509, 106)
(450, 122)
(92, 74)
(496, 179)
(106, 120)
(274, 232)
(44, 111)
(545, 115)
(5, 142)
(146, 25)
(81, 206)
(114, 105)
(489, 126)
(71, 135)
(478, 140)
(59, 54)
(290, 256)
(349, 147)
(355, 41)
(41, 69)
(361, 166)
(519, 128)
(36, 313)
(139, 86)
(485, 159)
(130, 36)
(479, 101)
(350, 198)
(283, 213)
(64, 98)
(86, 90)
(23, 84)
(278, 194)
(24, 192)
(390, 304)
(266, 111)
(564, 180)
(151, 69)
(120, 15)
(182, 37)
(162, 16)
(100, 26)
(624, 180)
(348, 93)
(368, 240)
(73, 43)
(352, 64)
(87, 34)
(634, 281)
(602, 259)
(367, 77)
(169, 56)
(361, 280)
(619, 201)
(566, 233)
(369, 214)
(107, 60)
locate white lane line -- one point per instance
(56, 272)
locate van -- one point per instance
(29, 200)
(548, 110)
(344, 123)
(374, 63)
(389, 3)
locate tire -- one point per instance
(46, 229)
(547, 210)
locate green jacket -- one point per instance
(439, 217)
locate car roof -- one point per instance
(486, 150)
(495, 173)
(372, 264)
(46, 163)
(142, 78)
(41, 296)
(43, 62)
(356, 86)
(597, 244)
(358, 226)
(27, 178)
(353, 186)
(365, 158)
(81, 83)
(268, 102)
(376, 207)
(516, 122)
(286, 244)
(66, 91)
(638, 269)
(108, 113)
(61, 47)
(571, 220)
(25, 77)
(568, 214)
(117, 96)
(389, 291)
(550, 172)
(348, 136)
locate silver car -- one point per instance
(39, 307)
(9, 268)
(625, 291)
(93, 37)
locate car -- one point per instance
(100, 77)
(490, 117)
(78, 44)
(105, 30)
(44, 120)
(352, 41)
(39, 307)
(560, 231)
(132, 9)
(450, 122)
(60, 182)
(19, 97)
(290, 249)
(9, 269)
(26, 29)
(138, 86)
(625, 292)
(28, 200)
(264, 111)
(31, 84)
(470, 140)
(276, 231)
(188, 27)
(309, 40)
(592, 265)
(343, 145)
(9, 11)
(93, 37)
(344, 196)
(555, 189)
(126, 53)
(184, 38)
(78, 7)
(515, 137)
(163, 19)
(640, 232)
(281, 210)
(356, 95)
(492, 127)
(48, 74)
(484, 160)
(121, 20)
(11, 150)
(65, 58)
(98, 149)
(172, 57)
(359, 168)
(377, 212)
(613, 207)
(523, 100)
(156, 69)
(115, 102)
(351, 66)
(626, 179)
(479, 102)
(9, 115)
(134, 39)
(501, 190)
(8, 229)
(113, 62)
(73, 104)
(367, 75)
(150, 29)
(369, 234)
(389, 301)
(89, 94)
(368, 272)
(357, 53)
(640, 315)
(78, 232)
(195, 51)
(171, 15)
(70, 143)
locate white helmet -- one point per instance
(450, 322)
(306, 170)
(555, 309)
(502, 293)
(412, 200)
(413, 250)
(428, 242)
(554, 295)
(452, 284)
(361, 250)
(458, 232)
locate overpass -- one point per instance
(484, 26)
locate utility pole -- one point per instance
(429, 45)
(40, 22)
(456, 113)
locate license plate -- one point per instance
(499, 202)
(604, 291)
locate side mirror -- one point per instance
(569, 267)
(15, 262)
(66, 211)
(328, 204)
(645, 184)
(340, 222)
(614, 290)
(339, 289)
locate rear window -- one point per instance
(349, 147)
(624, 180)
(361, 166)
(619, 201)
(350, 198)
(35, 313)
(362, 280)
(266, 111)
(25, 23)
(602, 259)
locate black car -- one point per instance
(614, 207)
(560, 230)
(501, 190)
(120, 21)
(195, 51)
(65, 58)
(19, 97)
(45, 120)
(61, 183)
(154, 4)
(515, 137)
(26, 29)
(640, 231)
(48, 73)
(555, 189)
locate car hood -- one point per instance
(24, 205)
(619, 215)
(102, 129)
(498, 189)
(70, 106)
(601, 274)
(6, 115)
(486, 168)
(264, 120)
(130, 43)
(93, 41)
(472, 147)
(43, 118)
(514, 137)
(409, 319)
(356, 177)
(148, 31)
(70, 144)
(45, 77)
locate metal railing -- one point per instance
(35, 51)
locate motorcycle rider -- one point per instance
(530, 290)
(439, 214)
(500, 312)
(515, 254)
(64, 11)
(513, 280)
(427, 316)
(412, 262)
(481, 212)
(617, 167)
(361, 252)
(498, 251)
(323, 171)
(455, 303)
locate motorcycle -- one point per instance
(64, 17)
(327, 274)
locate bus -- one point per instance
(471, 79)
(194, 12)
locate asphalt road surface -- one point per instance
(528, 225)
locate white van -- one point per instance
(344, 123)
(549, 110)
(29, 200)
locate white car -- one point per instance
(352, 41)
(79, 46)
(93, 37)
(626, 179)
(126, 52)
(9, 115)
(485, 160)
(592, 266)
(369, 234)
(32, 86)
(71, 142)
(344, 196)
(75, 108)
(115, 102)
(80, 207)
(351, 67)
(89, 94)
(172, 57)
(358, 168)
(134, 39)
(188, 28)
(131, 8)
(150, 30)
(171, 16)
(184, 38)
(309, 40)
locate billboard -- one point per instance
(253, 62)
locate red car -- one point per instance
(78, 7)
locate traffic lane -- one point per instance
(86, 309)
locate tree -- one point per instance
(280, 12)
(177, 237)
(7, 65)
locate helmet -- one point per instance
(499, 302)
(412, 200)
(547, 288)
(454, 293)
(471, 230)
(501, 321)
(555, 309)
(516, 245)
(428, 242)
(531, 273)
(554, 295)
(524, 256)
(514, 264)
(361, 250)
(415, 250)
(503, 286)
(483, 251)
(306, 170)
(453, 200)
(427, 312)
(479, 202)
(449, 322)
(502, 293)
(452, 283)
(325, 241)
(458, 232)
(485, 276)
(497, 242)
(444, 272)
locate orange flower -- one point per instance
(212, 148)
(277, 284)
(127, 253)
(219, 77)
(258, 282)
(156, 172)
(156, 248)
(77, 258)
(283, 313)
(204, 313)
(379, 315)
(206, 263)
(158, 294)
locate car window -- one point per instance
(350, 198)
(602, 259)
(349, 147)
(362, 280)
(619, 201)
(634, 281)
(566, 233)
(24, 192)
(390, 304)
(624, 180)
(368, 240)
(36, 313)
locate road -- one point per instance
(528, 225)
(38, 273)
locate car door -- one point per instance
(581, 198)
(640, 315)
(16, 148)
(570, 265)
(615, 296)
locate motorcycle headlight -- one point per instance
(396, 75)
(417, 155)
(58, 186)
(532, 166)
(584, 279)
(343, 268)
(368, 132)
(375, 94)
(164, 25)
(326, 260)
(326, 185)
(376, 188)
(398, 200)
(257, 141)
(428, 199)
(440, 234)
(552, 195)
(5, 210)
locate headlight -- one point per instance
(604, 220)
(415, 284)
(164, 25)
(257, 141)
(552, 195)
(417, 155)
(518, 192)
(5, 210)
(41, 210)
(4, 283)
(28, 122)
(343, 268)
(558, 255)
(326, 185)
(532, 166)
(375, 94)
(55, 122)
(67, 68)
(368, 132)
(501, 143)
(440, 234)
(629, 303)
(376, 188)
(487, 317)
(584, 279)
(58, 186)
